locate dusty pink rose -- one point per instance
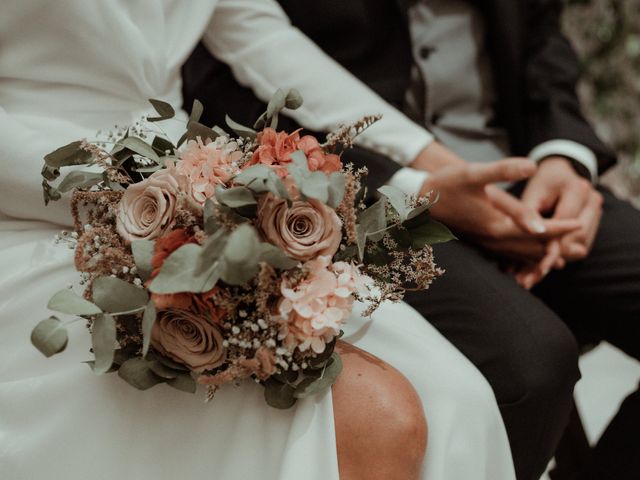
(207, 164)
(147, 208)
(275, 150)
(314, 311)
(189, 338)
(304, 230)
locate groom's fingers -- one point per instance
(507, 170)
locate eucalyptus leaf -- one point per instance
(212, 250)
(50, 336)
(164, 109)
(142, 254)
(162, 370)
(316, 185)
(260, 178)
(79, 179)
(103, 339)
(197, 129)
(276, 104)
(370, 221)
(65, 301)
(196, 111)
(161, 146)
(140, 147)
(114, 295)
(337, 182)
(235, 197)
(183, 382)
(397, 199)
(329, 376)
(136, 372)
(279, 395)
(148, 319)
(239, 129)
(182, 272)
(275, 257)
(240, 256)
(209, 219)
(68, 155)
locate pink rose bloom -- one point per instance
(207, 164)
(304, 230)
(190, 338)
(147, 208)
(275, 150)
(314, 311)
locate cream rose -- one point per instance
(189, 338)
(304, 231)
(147, 209)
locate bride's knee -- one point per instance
(376, 406)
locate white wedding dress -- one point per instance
(67, 69)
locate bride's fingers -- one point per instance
(528, 219)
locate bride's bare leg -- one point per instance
(381, 431)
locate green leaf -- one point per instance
(65, 301)
(162, 370)
(165, 110)
(370, 221)
(316, 185)
(148, 319)
(184, 383)
(50, 336)
(182, 272)
(196, 129)
(293, 101)
(241, 130)
(329, 376)
(136, 372)
(337, 183)
(276, 104)
(424, 231)
(161, 146)
(260, 178)
(240, 256)
(79, 179)
(196, 111)
(397, 199)
(68, 155)
(275, 257)
(116, 296)
(103, 339)
(209, 219)
(279, 395)
(142, 254)
(235, 197)
(140, 147)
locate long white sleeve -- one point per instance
(265, 52)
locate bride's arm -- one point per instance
(21, 152)
(265, 52)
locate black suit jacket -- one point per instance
(535, 70)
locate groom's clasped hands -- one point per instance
(553, 222)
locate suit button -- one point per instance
(426, 51)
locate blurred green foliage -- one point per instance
(606, 34)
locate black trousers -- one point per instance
(526, 343)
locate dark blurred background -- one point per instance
(606, 34)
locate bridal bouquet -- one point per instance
(228, 257)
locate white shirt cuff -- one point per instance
(569, 149)
(409, 180)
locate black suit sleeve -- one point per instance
(211, 82)
(551, 73)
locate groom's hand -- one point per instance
(469, 203)
(558, 190)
